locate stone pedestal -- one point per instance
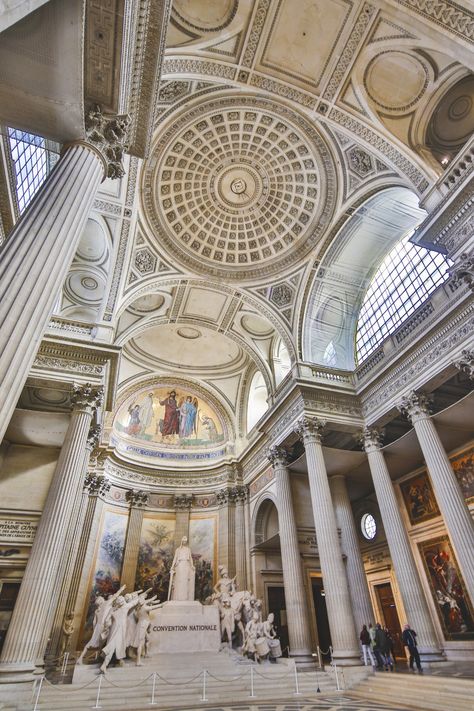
(186, 626)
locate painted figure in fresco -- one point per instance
(134, 426)
(169, 425)
(146, 413)
(209, 428)
(188, 411)
(103, 608)
(183, 573)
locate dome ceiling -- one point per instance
(239, 185)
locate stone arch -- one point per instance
(265, 509)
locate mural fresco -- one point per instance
(203, 543)
(463, 467)
(447, 587)
(108, 561)
(419, 498)
(155, 554)
(172, 417)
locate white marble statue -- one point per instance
(227, 618)
(103, 608)
(182, 573)
(117, 636)
(269, 632)
(142, 616)
(225, 585)
(256, 644)
(67, 630)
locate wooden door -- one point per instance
(390, 616)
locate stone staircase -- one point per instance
(421, 692)
(179, 683)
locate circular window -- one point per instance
(368, 526)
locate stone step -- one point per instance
(432, 693)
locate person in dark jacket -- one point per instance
(409, 640)
(382, 646)
(366, 649)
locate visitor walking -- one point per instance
(366, 649)
(382, 646)
(409, 640)
(374, 646)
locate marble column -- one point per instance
(226, 537)
(23, 649)
(96, 486)
(356, 577)
(68, 564)
(36, 258)
(449, 496)
(295, 593)
(240, 546)
(138, 501)
(338, 600)
(404, 565)
(182, 505)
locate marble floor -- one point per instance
(325, 703)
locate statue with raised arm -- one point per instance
(142, 616)
(182, 573)
(117, 636)
(103, 608)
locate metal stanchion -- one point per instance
(252, 695)
(204, 686)
(153, 702)
(39, 692)
(320, 660)
(337, 678)
(98, 693)
(297, 688)
(65, 663)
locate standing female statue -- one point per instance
(182, 573)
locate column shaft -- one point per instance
(408, 578)
(23, 649)
(240, 549)
(137, 499)
(34, 263)
(358, 588)
(295, 594)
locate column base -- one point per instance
(17, 673)
(303, 659)
(430, 654)
(346, 658)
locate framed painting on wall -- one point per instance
(463, 467)
(447, 587)
(419, 498)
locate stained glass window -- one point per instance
(404, 280)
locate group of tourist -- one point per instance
(378, 647)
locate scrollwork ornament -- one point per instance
(371, 439)
(463, 270)
(466, 363)
(415, 406)
(87, 396)
(278, 456)
(309, 429)
(108, 135)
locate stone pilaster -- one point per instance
(338, 601)
(23, 649)
(295, 594)
(409, 584)
(358, 588)
(240, 496)
(138, 501)
(68, 564)
(226, 537)
(449, 496)
(39, 251)
(182, 505)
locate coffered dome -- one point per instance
(239, 187)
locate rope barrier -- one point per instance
(224, 681)
(134, 686)
(68, 689)
(179, 682)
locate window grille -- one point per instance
(33, 158)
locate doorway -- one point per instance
(277, 605)
(390, 616)
(8, 595)
(322, 622)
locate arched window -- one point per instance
(404, 280)
(257, 403)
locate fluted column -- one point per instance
(138, 501)
(23, 649)
(295, 595)
(226, 537)
(96, 486)
(182, 505)
(449, 496)
(35, 259)
(338, 601)
(68, 564)
(356, 577)
(240, 547)
(409, 584)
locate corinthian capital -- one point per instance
(136, 498)
(183, 501)
(463, 270)
(371, 438)
(96, 485)
(108, 136)
(466, 363)
(278, 456)
(415, 405)
(87, 397)
(309, 429)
